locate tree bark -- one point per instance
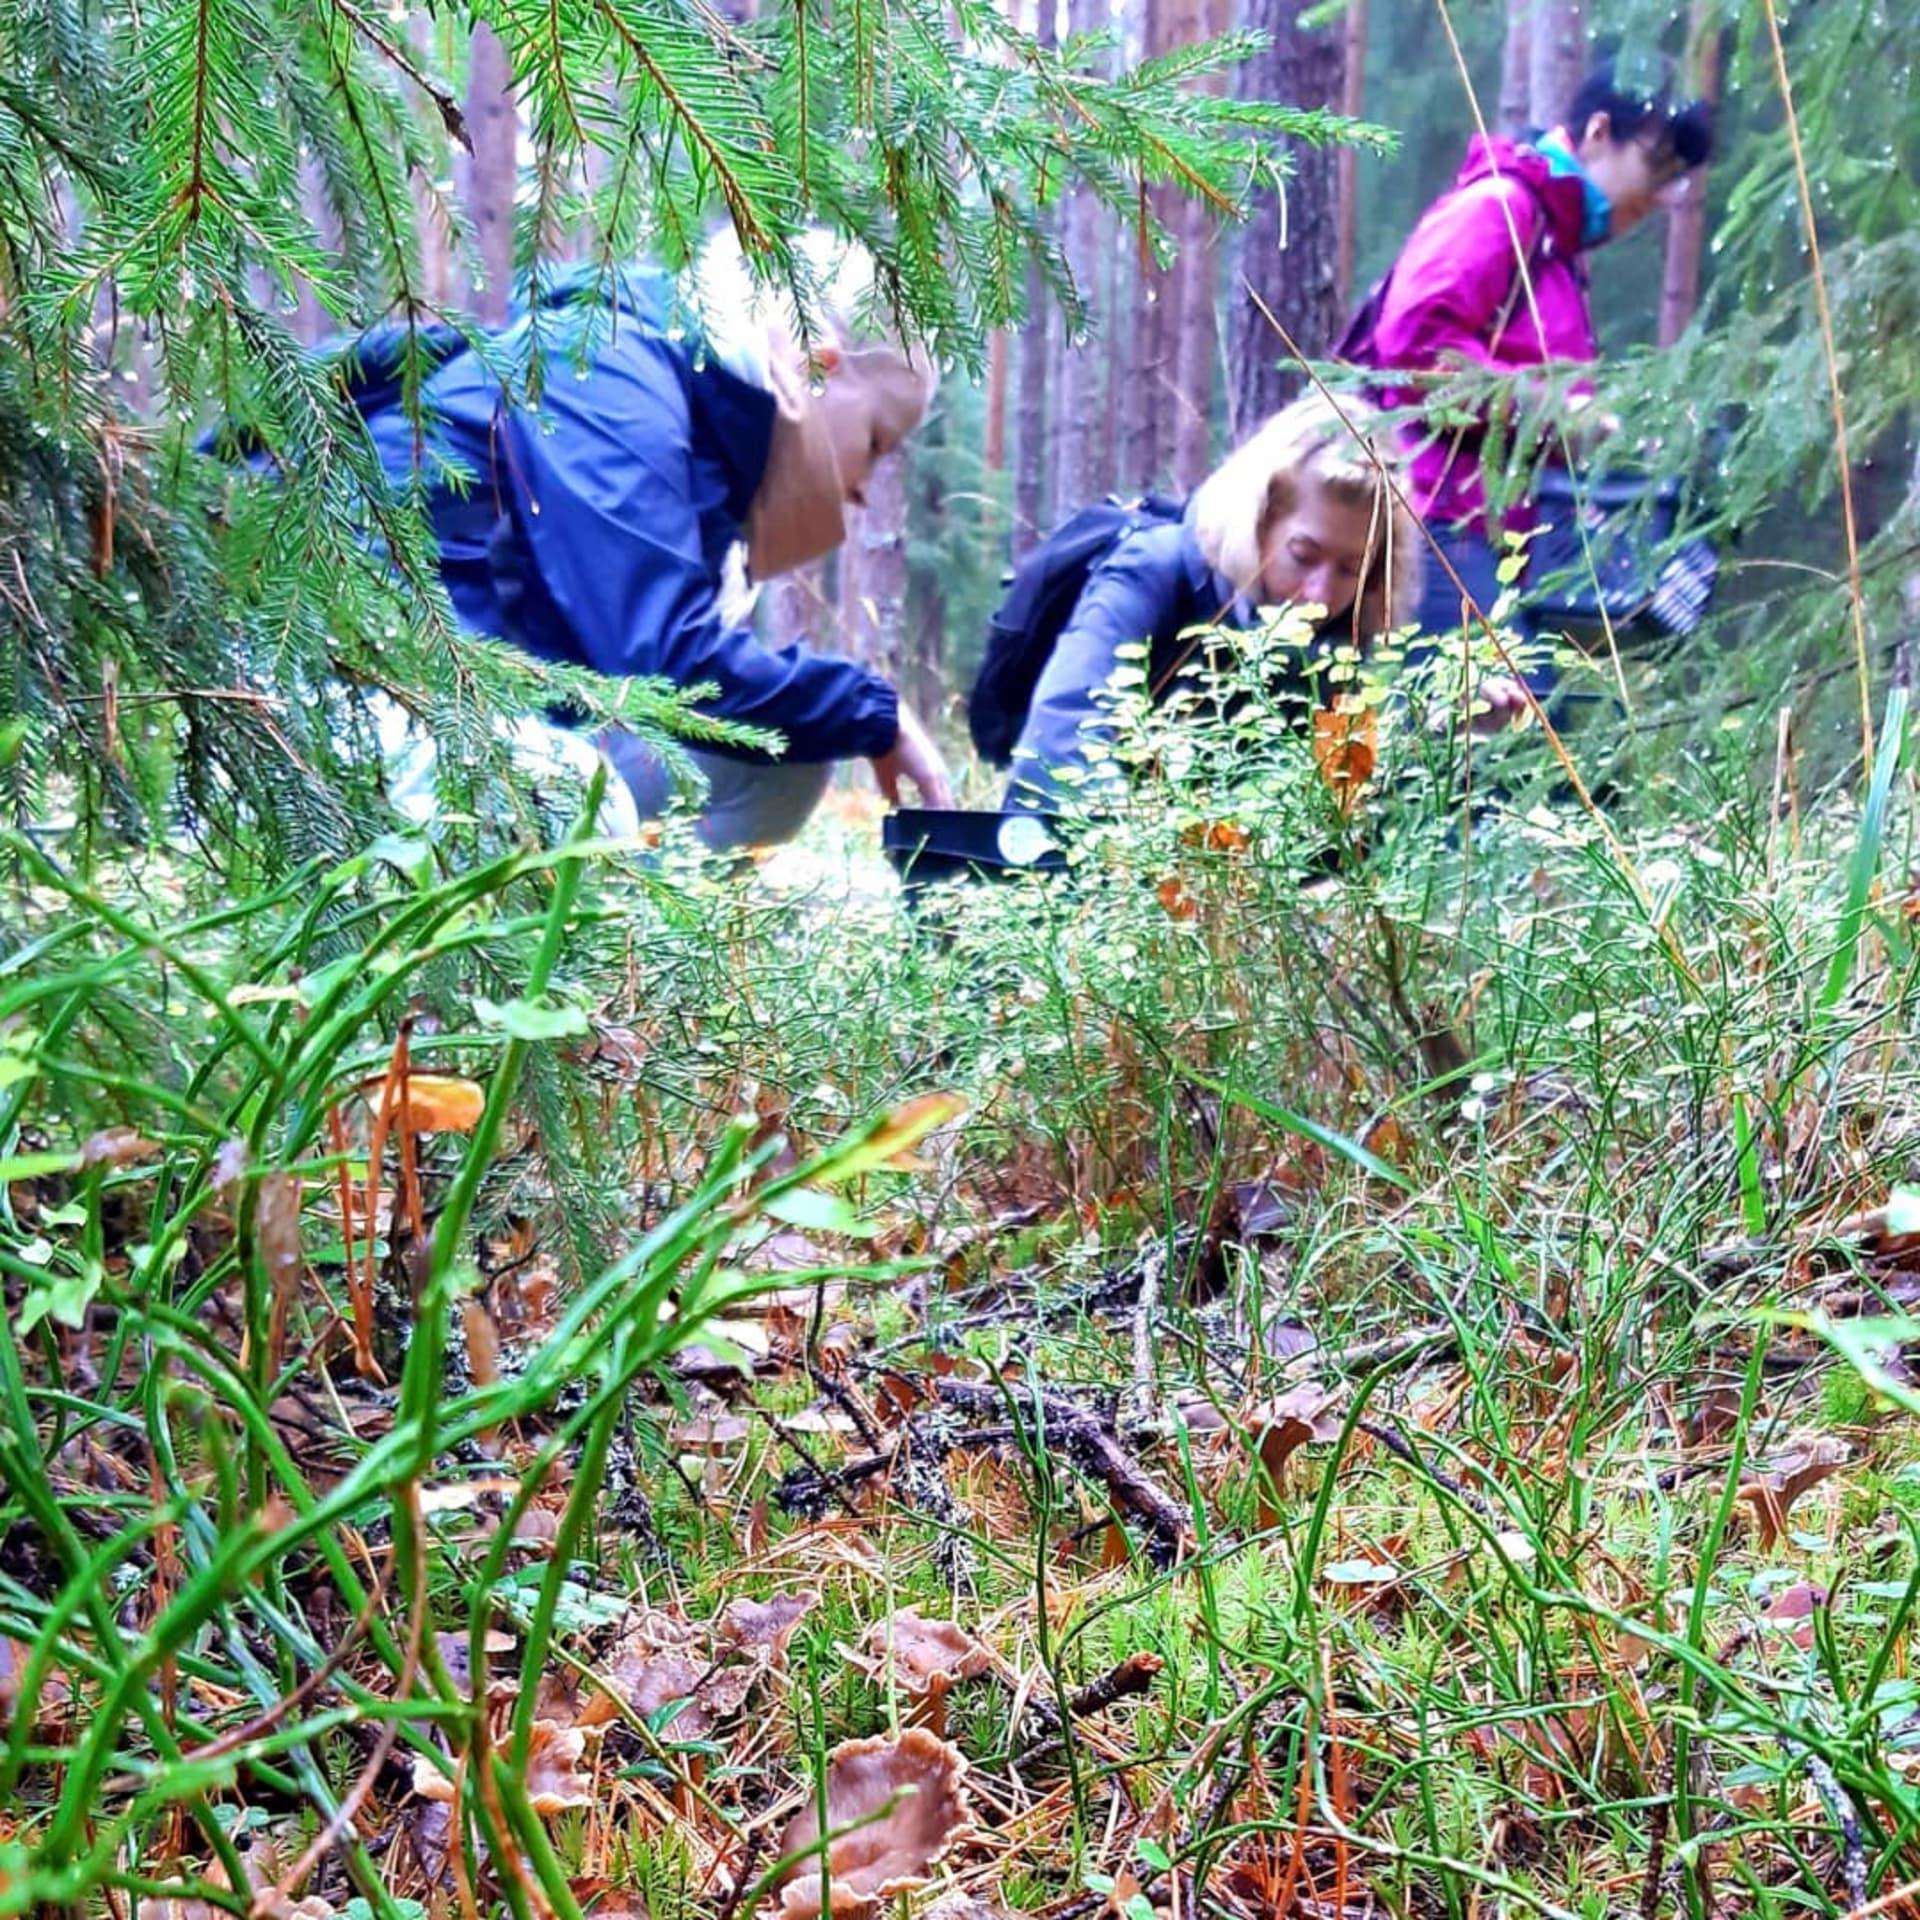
(1139, 344)
(1353, 100)
(1116, 358)
(490, 174)
(1556, 59)
(1036, 353)
(1148, 335)
(996, 441)
(1081, 427)
(1687, 222)
(311, 321)
(871, 623)
(1030, 472)
(923, 636)
(1291, 256)
(1516, 68)
(795, 607)
(1198, 313)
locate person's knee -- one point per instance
(758, 803)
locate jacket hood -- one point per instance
(1491, 156)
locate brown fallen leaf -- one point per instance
(607, 1900)
(1302, 1414)
(893, 1809)
(1344, 749)
(116, 1147)
(1175, 901)
(713, 1431)
(53, 1695)
(1772, 1486)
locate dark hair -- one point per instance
(1683, 128)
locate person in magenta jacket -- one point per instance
(1456, 297)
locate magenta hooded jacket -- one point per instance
(1450, 288)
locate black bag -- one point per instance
(1040, 598)
(1599, 560)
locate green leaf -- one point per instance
(34, 1166)
(532, 1019)
(817, 1212)
(1903, 1210)
(886, 1137)
(63, 1297)
(1334, 1142)
(581, 1609)
(412, 855)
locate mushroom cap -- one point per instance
(919, 1652)
(763, 1626)
(920, 1781)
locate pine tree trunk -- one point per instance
(795, 607)
(1556, 59)
(1138, 327)
(923, 636)
(1030, 471)
(1115, 359)
(1687, 222)
(1198, 316)
(1081, 424)
(998, 357)
(491, 173)
(1146, 312)
(311, 321)
(1036, 355)
(1300, 285)
(878, 537)
(1353, 100)
(1516, 68)
(430, 210)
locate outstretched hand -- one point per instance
(913, 756)
(1501, 702)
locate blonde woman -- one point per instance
(1300, 514)
(612, 524)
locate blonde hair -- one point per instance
(740, 315)
(1348, 449)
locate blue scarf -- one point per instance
(1597, 217)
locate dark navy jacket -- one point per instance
(593, 530)
(1153, 586)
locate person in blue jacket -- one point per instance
(1301, 513)
(620, 521)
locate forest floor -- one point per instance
(1363, 1399)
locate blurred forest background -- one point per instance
(195, 194)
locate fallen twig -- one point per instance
(1140, 1411)
(1092, 1447)
(1371, 1356)
(1134, 1674)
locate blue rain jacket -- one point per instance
(592, 529)
(1155, 586)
